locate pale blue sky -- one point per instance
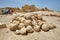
(51, 4)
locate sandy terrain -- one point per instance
(6, 34)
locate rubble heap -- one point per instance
(28, 24)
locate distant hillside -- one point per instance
(45, 9)
(26, 8)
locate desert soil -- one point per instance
(6, 34)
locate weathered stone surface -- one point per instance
(29, 29)
(17, 32)
(45, 27)
(36, 28)
(13, 27)
(15, 22)
(21, 25)
(27, 22)
(3, 25)
(23, 31)
(51, 26)
(34, 22)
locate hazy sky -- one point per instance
(51, 4)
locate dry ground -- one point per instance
(6, 34)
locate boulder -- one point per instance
(29, 29)
(39, 22)
(22, 19)
(21, 25)
(13, 27)
(3, 25)
(36, 28)
(17, 32)
(15, 22)
(34, 22)
(23, 31)
(45, 27)
(27, 22)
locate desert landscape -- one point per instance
(49, 17)
(29, 19)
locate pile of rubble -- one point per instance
(29, 24)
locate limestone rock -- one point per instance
(17, 32)
(23, 31)
(32, 17)
(39, 17)
(15, 19)
(27, 22)
(29, 29)
(39, 22)
(3, 25)
(36, 28)
(45, 27)
(51, 26)
(13, 27)
(21, 25)
(15, 22)
(22, 19)
(34, 22)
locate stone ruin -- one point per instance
(28, 24)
